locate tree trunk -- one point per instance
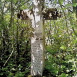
(37, 41)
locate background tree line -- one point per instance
(60, 40)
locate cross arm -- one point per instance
(48, 14)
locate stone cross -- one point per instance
(37, 16)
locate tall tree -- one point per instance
(75, 7)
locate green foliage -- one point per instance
(60, 41)
(63, 75)
(61, 1)
(61, 47)
(19, 74)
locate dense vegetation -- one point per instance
(60, 41)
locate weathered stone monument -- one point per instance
(37, 15)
